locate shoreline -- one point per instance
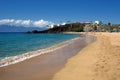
(31, 54)
(98, 61)
(43, 67)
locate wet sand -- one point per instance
(98, 61)
(43, 67)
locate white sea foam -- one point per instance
(15, 59)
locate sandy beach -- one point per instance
(98, 61)
(44, 66)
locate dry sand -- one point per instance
(98, 61)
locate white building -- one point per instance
(96, 22)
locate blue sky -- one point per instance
(58, 11)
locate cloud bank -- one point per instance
(26, 23)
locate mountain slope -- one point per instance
(10, 28)
(74, 27)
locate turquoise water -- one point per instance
(12, 44)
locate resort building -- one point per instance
(97, 26)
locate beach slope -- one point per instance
(98, 61)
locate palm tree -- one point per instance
(109, 26)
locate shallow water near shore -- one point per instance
(16, 47)
(43, 67)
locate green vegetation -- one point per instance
(116, 27)
(81, 27)
(74, 27)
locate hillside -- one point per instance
(12, 28)
(74, 27)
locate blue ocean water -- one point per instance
(12, 44)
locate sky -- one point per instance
(48, 12)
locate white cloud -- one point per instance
(22, 22)
(6, 21)
(42, 22)
(63, 23)
(26, 23)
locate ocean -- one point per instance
(13, 44)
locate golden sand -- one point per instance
(44, 67)
(98, 61)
